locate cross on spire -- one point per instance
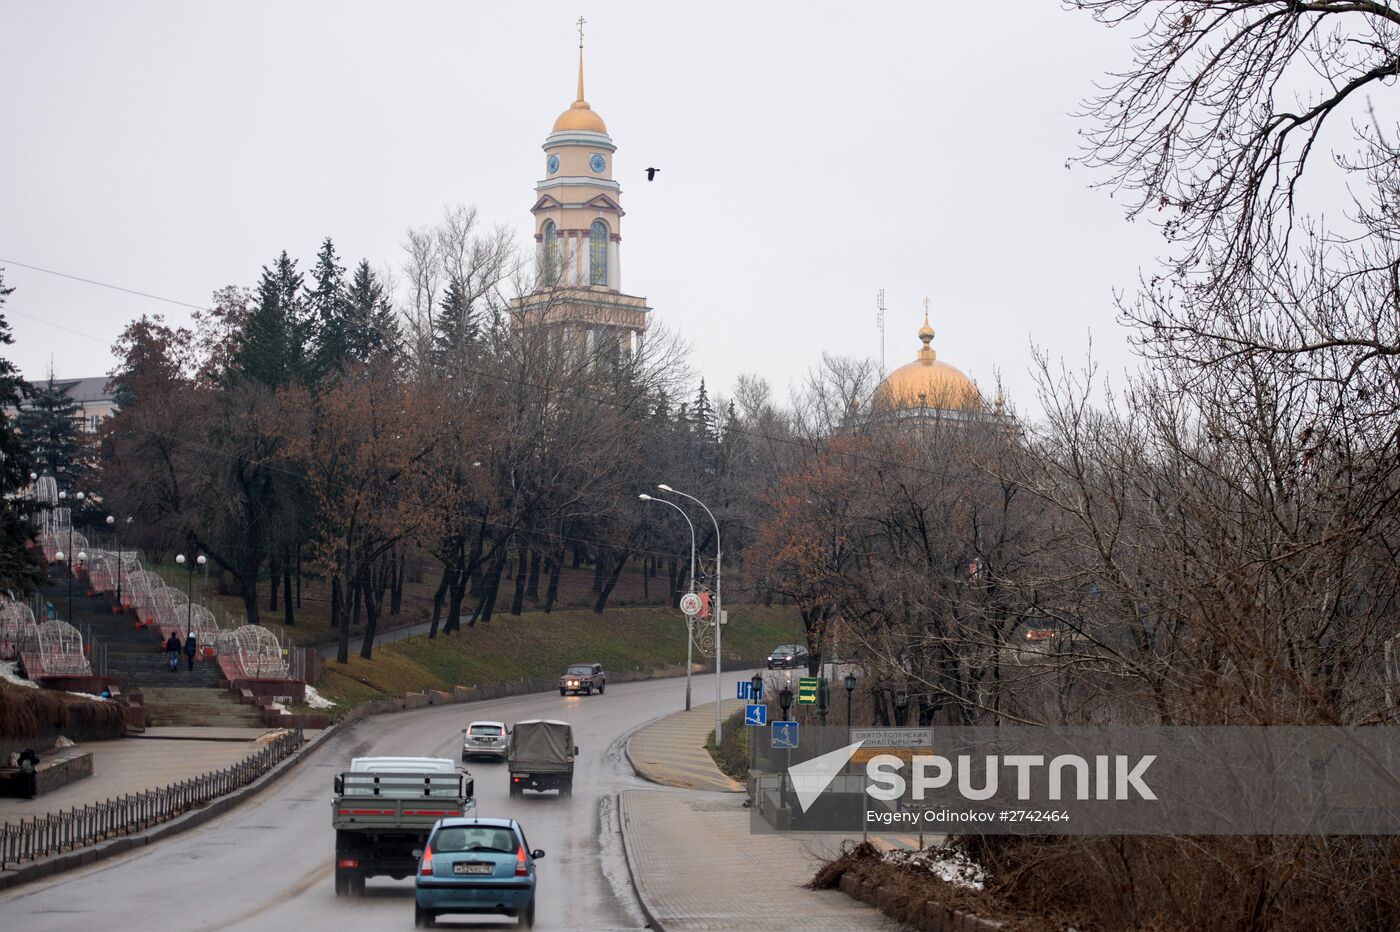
(925, 310)
(581, 21)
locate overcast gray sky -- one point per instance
(812, 153)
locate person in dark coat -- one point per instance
(172, 649)
(190, 649)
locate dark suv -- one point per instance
(788, 656)
(583, 678)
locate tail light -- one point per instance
(521, 868)
(347, 862)
(426, 868)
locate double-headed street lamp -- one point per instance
(689, 634)
(189, 588)
(112, 523)
(719, 609)
(72, 568)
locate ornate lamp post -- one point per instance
(689, 635)
(719, 609)
(757, 683)
(72, 570)
(189, 588)
(116, 528)
(850, 684)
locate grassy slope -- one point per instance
(542, 645)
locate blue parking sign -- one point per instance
(784, 735)
(756, 715)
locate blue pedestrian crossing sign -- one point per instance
(756, 715)
(784, 735)
(747, 693)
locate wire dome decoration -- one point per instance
(253, 652)
(138, 588)
(204, 626)
(59, 647)
(45, 489)
(102, 570)
(16, 620)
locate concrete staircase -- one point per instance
(198, 707)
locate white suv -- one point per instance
(485, 739)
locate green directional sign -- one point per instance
(807, 690)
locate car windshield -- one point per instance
(486, 729)
(580, 670)
(474, 838)
(783, 650)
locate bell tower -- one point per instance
(578, 236)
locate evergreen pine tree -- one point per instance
(327, 312)
(270, 348)
(455, 328)
(19, 559)
(52, 434)
(372, 325)
(703, 415)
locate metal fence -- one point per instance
(57, 832)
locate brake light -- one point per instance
(347, 862)
(426, 868)
(521, 869)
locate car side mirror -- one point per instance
(464, 731)
(339, 784)
(537, 854)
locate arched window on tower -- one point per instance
(549, 254)
(598, 253)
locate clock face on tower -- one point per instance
(553, 164)
(596, 163)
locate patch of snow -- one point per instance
(318, 701)
(9, 671)
(946, 862)
(277, 706)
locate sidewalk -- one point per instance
(695, 863)
(672, 750)
(131, 765)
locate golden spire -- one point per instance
(926, 335)
(581, 21)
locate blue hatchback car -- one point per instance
(476, 866)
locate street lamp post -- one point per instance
(189, 588)
(72, 570)
(116, 528)
(689, 634)
(785, 700)
(850, 684)
(719, 609)
(757, 683)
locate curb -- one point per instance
(647, 910)
(58, 863)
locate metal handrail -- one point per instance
(56, 832)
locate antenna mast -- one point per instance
(880, 322)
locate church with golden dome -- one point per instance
(578, 239)
(930, 389)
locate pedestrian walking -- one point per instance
(172, 650)
(49, 611)
(190, 649)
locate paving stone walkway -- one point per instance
(672, 751)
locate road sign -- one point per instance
(747, 691)
(784, 735)
(807, 690)
(900, 742)
(755, 715)
(690, 603)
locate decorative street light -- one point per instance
(189, 588)
(72, 570)
(689, 621)
(757, 682)
(112, 523)
(719, 608)
(850, 685)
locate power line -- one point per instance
(90, 281)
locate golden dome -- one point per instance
(580, 116)
(928, 383)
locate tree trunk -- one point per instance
(553, 567)
(646, 579)
(532, 588)
(248, 590)
(457, 593)
(493, 586)
(396, 593)
(342, 651)
(578, 555)
(273, 578)
(600, 569)
(371, 603)
(522, 569)
(611, 582)
(289, 617)
(298, 575)
(355, 603)
(437, 599)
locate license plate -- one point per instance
(460, 868)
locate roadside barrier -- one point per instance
(56, 832)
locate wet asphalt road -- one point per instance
(268, 863)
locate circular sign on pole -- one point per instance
(690, 604)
